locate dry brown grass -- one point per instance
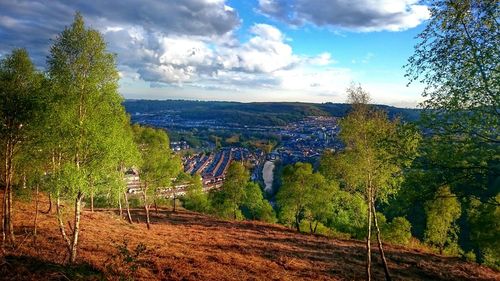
(191, 246)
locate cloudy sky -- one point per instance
(255, 50)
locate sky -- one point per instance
(255, 50)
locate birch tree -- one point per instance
(159, 165)
(376, 151)
(86, 112)
(20, 85)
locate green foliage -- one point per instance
(349, 213)
(470, 256)
(255, 206)
(398, 231)
(87, 120)
(222, 208)
(159, 164)
(21, 116)
(195, 198)
(238, 197)
(135, 202)
(490, 258)
(485, 230)
(442, 213)
(227, 201)
(376, 151)
(303, 195)
(20, 95)
(457, 58)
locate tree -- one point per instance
(159, 165)
(20, 86)
(196, 199)
(485, 222)
(397, 231)
(255, 206)
(303, 195)
(86, 115)
(442, 212)
(182, 180)
(457, 58)
(376, 150)
(232, 193)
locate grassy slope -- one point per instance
(190, 246)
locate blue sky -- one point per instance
(261, 50)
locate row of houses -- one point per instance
(213, 167)
(134, 185)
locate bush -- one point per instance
(135, 202)
(470, 256)
(491, 258)
(196, 200)
(398, 231)
(255, 206)
(349, 214)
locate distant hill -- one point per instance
(255, 113)
(192, 246)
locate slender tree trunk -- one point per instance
(146, 207)
(4, 214)
(175, 199)
(310, 227)
(76, 230)
(380, 247)
(4, 203)
(368, 238)
(50, 205)
(61, 224)
(5, 192)
(315, 227)
(297, 221)
(8, 229)
(11, 226)
(120, 205)
(92, 201)
(35, 223)
(156, 206)
(128, 207)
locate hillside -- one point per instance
(255, 113)
(190, 246)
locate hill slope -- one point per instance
(190, 246)
(255, 113)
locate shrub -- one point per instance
(398, 231)
(470, 256)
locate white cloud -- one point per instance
(322, 59)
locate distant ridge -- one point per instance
(254, 113)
